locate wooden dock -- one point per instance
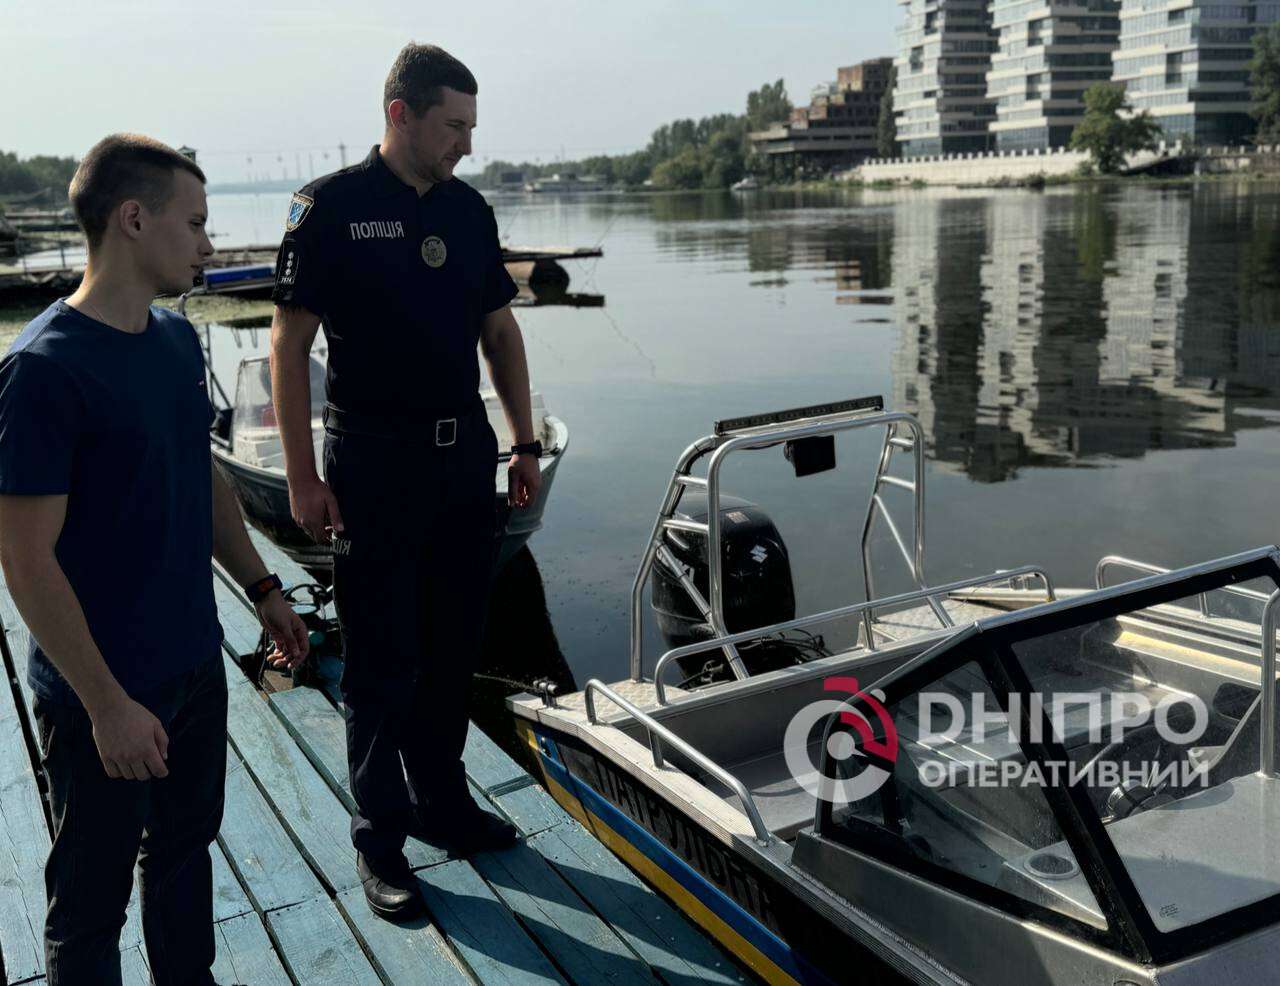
(288, 906)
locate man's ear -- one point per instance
(398, 113)
(129, 217)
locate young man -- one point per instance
(109, 513)
(401, 262)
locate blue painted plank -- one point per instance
(488, 765)
(229, 898)
(258, 849)
(290, 572)
(320, 731)
(312, 814)
(404, 951)
(245, 954)
(656, 931)
(317, 947)
(583, 945)
(481, 929)
(530, 809)
(133, 968)
(240, 627)
(17, 638)
(24, 846)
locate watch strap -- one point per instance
(257, 591)
(534, 447)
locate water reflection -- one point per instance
(1061, 330)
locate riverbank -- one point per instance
(209, 308)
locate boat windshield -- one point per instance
(1104, 748)
(255, 435)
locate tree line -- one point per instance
(42, 173)
(712, 152)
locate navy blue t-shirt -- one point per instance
(118, 422)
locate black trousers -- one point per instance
(411, 580)
(102, 826)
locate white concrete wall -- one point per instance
(979, 169)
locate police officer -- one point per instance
(400, 262)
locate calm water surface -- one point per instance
(1096, 372)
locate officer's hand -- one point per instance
(315, 508)
(287, 631)
(524, 479)
(131, 742)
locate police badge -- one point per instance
(299, 206)
(434, 251)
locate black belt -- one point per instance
(429, 426)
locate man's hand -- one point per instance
(287, 631)
(524, 479)
(315, 508)
(131, 742)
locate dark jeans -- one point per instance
(411, 585)
(102, 826)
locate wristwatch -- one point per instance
(258, 591)
(534, 448)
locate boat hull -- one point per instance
(264, 498)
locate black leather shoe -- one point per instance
(392, 892)
(465, 830)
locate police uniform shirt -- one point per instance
(402, 283)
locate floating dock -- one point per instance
(288, 906)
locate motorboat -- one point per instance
(246, 447)
(747, 184)
(992, 780)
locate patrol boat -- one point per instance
(246, 446)
(827, 824)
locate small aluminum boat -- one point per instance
(996, 781)
(246, 447)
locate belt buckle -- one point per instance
(448, 426)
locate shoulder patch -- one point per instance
(299, 208)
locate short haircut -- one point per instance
(119, 168)
(418, 75)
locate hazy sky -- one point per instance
(284, 83)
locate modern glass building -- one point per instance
(1187, 62)
(1050, 52)
(940, 100)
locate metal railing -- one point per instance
(659, 734)
(1267, 758)
(1026, 571)
(720, 447)
(1116, 561)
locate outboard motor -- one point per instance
(758, 591)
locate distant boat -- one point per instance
(567, 183)
(748, 184)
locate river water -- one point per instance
(1096, 371)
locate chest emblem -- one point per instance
(434, 251)
(299, 206)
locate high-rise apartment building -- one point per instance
(940, 100)
(1187, 62)
(1050, 52)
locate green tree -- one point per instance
(887, 127)
(1107, 134)
(766, 105)
(1264, 75)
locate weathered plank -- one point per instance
(133, 967)
(404, 951)
(257, 847)
(318, 948)
(240, 627)
(488, 765)
(17, 638)
(229, 897)
(320, 731)
(290, 572)
(530, 809)
(570, 932)
(312, 814)
(656, 931)
(481, 929)
(245, 954)
(131, 933)
(24, 844)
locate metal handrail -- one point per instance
(659, 734)
(1025, 571)
(1270, 617)
(1113, 561)
(720, 447)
